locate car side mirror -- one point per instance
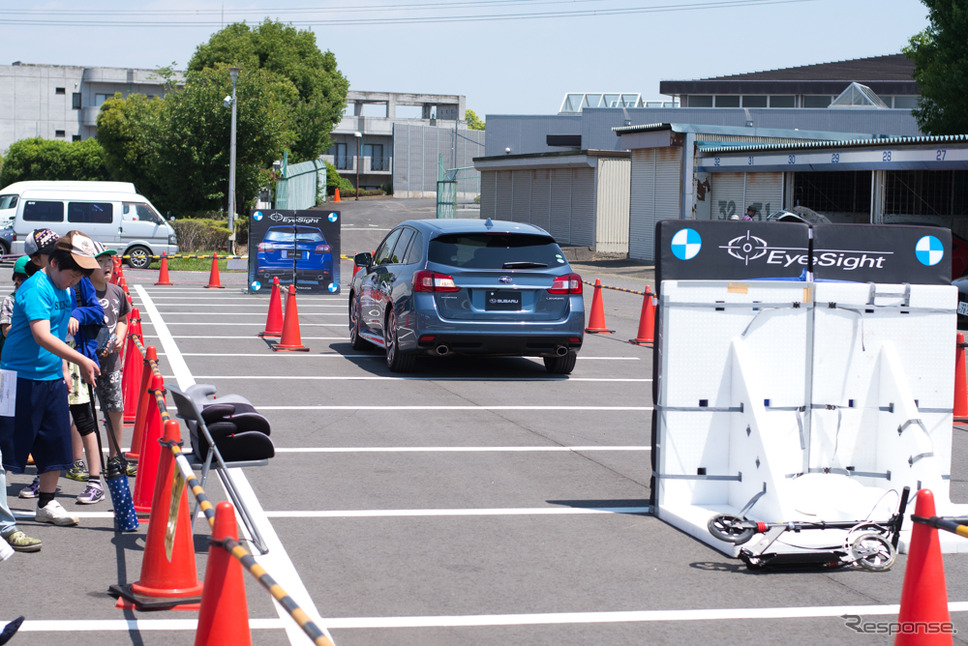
(364, 259)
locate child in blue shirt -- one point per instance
(35, 350)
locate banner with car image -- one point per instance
(298, 247)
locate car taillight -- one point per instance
(431, 281)
(322, 248)
(568, 284)
(262, 247)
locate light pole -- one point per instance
(359, 143)
(234, 73)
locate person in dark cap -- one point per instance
(35, 350)
(38, 246)
(750, 213)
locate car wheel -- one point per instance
(4, 247)
(358, 342)
(139, 258)
(561, 365)
(397, 360)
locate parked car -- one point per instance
(437, 287)
(303, 249)
(7, 237)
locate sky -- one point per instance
(505, 56)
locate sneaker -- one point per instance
(33, 489)
(78, 471)
(20, 542)
(92, 494)
(54, 513)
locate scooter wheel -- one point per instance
(873, 552)
(731, 529)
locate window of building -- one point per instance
(76, 100)
(816, 100)
(783, 101)
(754, 101)
(834, 192)
(727, 100)
(375, 153)
(60, 133)
(75, 137)
(700, 101)
(60, 90)
(340, 160)
(905, 102)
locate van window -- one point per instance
(90, 212)
(8, 201)
(140, 212)
(41, 211)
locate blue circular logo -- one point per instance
(929, 251)
(685, 244)
(333, 217)
(255, 285)
(333, 288)
(257, 216)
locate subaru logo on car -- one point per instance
(507, 280)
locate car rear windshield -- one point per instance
(495, 251)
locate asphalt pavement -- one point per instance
(476, 501)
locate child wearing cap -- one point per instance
(6, 310)
(35, 351)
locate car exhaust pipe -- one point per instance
(561, 350)
(442, 350)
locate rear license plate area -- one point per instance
(502, 300)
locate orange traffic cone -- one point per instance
(274, 317)
(961, 390)
(924, 599)
(144, 483)
(168, 576)
(163, 274)
(291, 340)
(596, 319)
(336, 196)
(116, 274)
(213, 280)
(223, 619)
(132, 372)
(646, 335)
(142, 399)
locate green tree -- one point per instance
(194, 140)
(473, 121)
(45, 159)
(291, 54)
(127, 129)
(940, 55)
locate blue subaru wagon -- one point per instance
(462, 286)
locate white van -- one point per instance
(10, 194)
(124, 221)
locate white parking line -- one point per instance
(384, 378)
(480, 407)
(427, 513)
(466, 621)
(461, 449)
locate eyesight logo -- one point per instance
(746, 248)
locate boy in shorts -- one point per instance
(116, 309)
(35, 351)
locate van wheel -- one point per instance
(561, 365)
(139, 258)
